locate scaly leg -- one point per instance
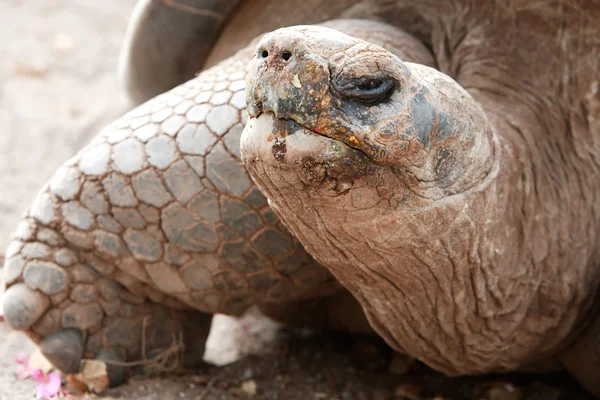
(151, 228)
(154, 226)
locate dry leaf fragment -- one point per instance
(408, 391)
(75, 386)
(30, 70)
(199, 379)
(38, 361)
(94, 376)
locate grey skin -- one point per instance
(156, 225)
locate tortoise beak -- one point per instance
(266, 81)
(274, 143)
(287, 78)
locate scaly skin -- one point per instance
(155, 214)
(155, 225)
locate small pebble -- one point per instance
(63, 42)
(504, 391)
(249, 387)
(247, 374)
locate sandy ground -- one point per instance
(58, 87)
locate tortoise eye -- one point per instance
(370, 84)
(367, 90)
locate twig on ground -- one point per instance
(208, 389)
(167, 360)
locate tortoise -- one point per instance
(426, 172)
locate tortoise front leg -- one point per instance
(155, 225)
(151, 228)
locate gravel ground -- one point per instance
(58, 87)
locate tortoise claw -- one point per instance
(116, 373)
(23, 306)
(64, 349)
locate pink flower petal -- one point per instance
(23, 373)
(22, 359)
(38, 375)
(49, 387)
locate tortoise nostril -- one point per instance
(286, 55)
(264, 54)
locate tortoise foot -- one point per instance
(76, 307)
(115, 360)
(64, 349)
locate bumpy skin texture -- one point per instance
(156, 212)
(464, 222)
(155, 225)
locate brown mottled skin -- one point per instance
(461, 213)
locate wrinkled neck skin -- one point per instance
(449, 147)
(411, 261)
(482, 266)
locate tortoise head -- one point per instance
(378, 166)
(317, 96)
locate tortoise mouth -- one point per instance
(289, 126)
(286, 145)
